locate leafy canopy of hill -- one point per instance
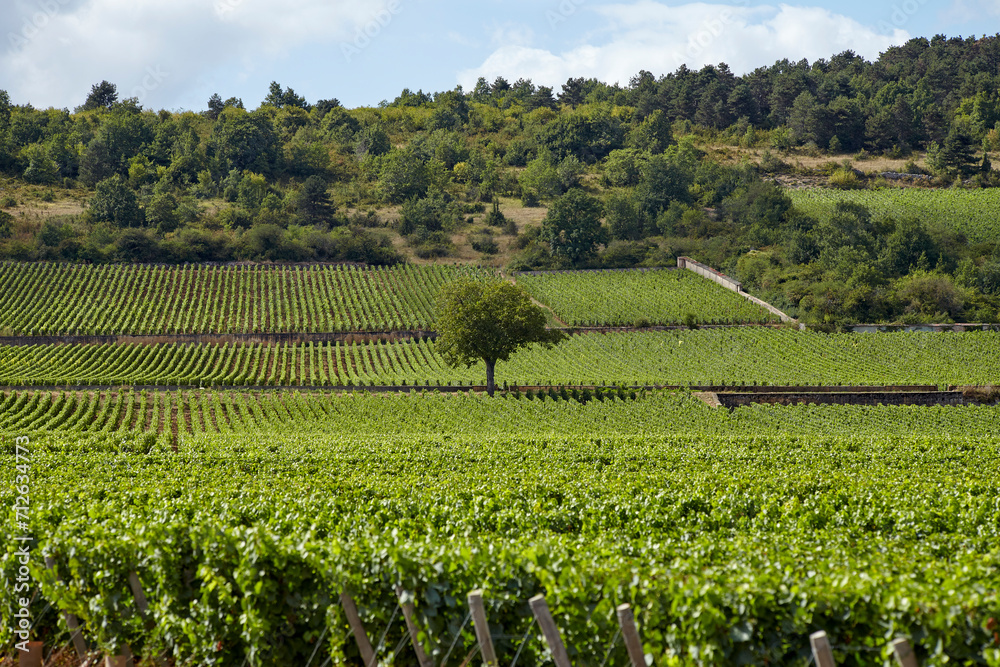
(620, 169)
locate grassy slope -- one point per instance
(35, 204)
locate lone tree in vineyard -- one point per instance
(488, 320)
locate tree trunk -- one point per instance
(490, 367)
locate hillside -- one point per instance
(514, 175)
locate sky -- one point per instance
(174, 54)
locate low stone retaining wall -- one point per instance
(720, 278)
(923, 398)
(833, 389)
(923, 328)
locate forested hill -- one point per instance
(524, 176)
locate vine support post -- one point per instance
(626, 621)
(143, 605)
(482, 628)
(357, 629)
(71, 622)
(32, 657)
(904, 653)
(408, 612)
(821, 651)
(540, 608)
(124, 659)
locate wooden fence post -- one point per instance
(74, 626)
(408, 610)
(482, 628)
(821, 649)
(357, 629)
(626, 621)
(123, 660)
(540, 609)
(904, 653)
(143, 605)
(32, 657)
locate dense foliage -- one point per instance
(733, 535)
(487, 321)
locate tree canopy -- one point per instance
(488, 320)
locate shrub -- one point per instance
(845, 179)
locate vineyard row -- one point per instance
(745, 356)
(733, 535)
(63, 299)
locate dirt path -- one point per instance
(552, 313)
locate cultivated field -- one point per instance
(66, 299)
(623, 298)
(732, 356)
(243, 506)
(733, 534)
(973, 213)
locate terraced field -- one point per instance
(740, 356)
(974, 213)
(624, 298)
(65, 299)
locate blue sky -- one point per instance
(174, 54)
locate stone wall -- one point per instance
(923, 328)
(733, 400)
(722, 279)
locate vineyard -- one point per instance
(67, 299)
(623, 298)
(974, 213)
(245, 505)
(737, 356)
(733, 535)
(75, 417)
(71, 299)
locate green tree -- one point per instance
(251, 191)
(451, 111)
(666, 177)
(123, 135)
(246, 140)
(5, 108)
(278, 99)
(6, 225)
(102, 95)
(958, 151)
(573, 226)
(623, 168)
(161, 212)
(540, 180)
(115, 202)
(652, 134)
(313, 201)
(402, 175)
(41, 168)
(372, 140)
(625, 219)
(489, 321)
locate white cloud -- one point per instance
(158, 49)
(968, 10)
(512, 34)
(653, 36)
(462, 40)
